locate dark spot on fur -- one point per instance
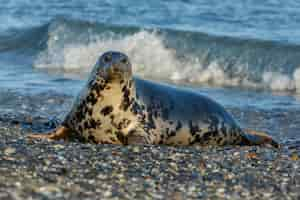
(112, 121)
(142, 118)
(112, 139)
(167, 131)
(173, 133)
(130, 84)
(161, 140)
(91, 99)
(121, 137)
(135, 108)
(106, 110)
(223, 128)
(151, 123)
(108, 131)
(80, 128)
(198, 140)
(219, 140)
(206, 138)
(93, 124)
(92, 139)
(124, 88)
(98, 87)
(126, 100)
(193, 129)
(81, 111)
(209, 136)
(124, 123)
(90, 112)
(86, 125)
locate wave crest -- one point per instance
(153, 56)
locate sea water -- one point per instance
(243, 54)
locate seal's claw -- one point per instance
(60, 133)
(136, 140)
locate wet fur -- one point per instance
(109, 111)
(121, 109)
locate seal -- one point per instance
(117, 108)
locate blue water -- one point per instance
(244, 54)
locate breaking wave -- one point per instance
(186, 57)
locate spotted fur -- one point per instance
(115, 105)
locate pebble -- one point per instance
(294, 157)
(9, 151)
(71, 170)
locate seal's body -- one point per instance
(117, 108)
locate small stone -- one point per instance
(10, 150)
(220, 191)
(136, 149)
(202, 165)
(174, 166)
(48, 190)
(267, 195)
(236, 153)
(252, 155)
(107, 194)
(294, 157)
(58, 146)
(177, 196)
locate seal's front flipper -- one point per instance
(253, 137)
(59, 133)
(134, 138)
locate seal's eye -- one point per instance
(107, 58)
(124, 60)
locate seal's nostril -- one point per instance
(107, 58)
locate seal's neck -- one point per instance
(117, 92)
(127, 94)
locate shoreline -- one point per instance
(70, 170)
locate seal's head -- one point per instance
(114, 65)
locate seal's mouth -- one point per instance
(115, 72)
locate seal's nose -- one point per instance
(121, 64)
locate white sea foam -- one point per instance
(278, 81)
(296, 79)
(152, 59)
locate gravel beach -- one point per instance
(71, 170)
